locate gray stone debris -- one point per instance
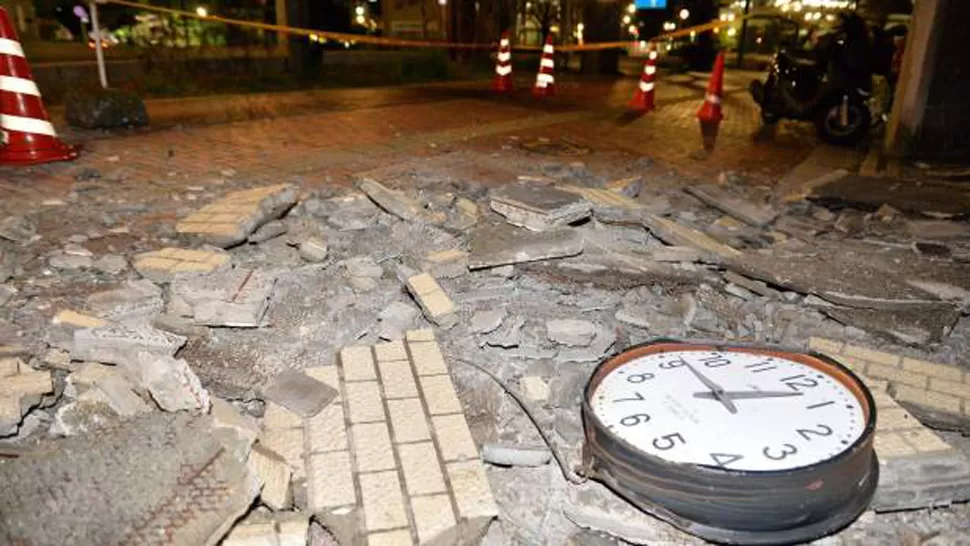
(508, 335)
(538, 208)
(398, 204)
(237, 297)
(6, 294)
(171, 383)
(313, 249)
(571, 332)
(17, 229)
(485, 322)
(447, 264)
(733, 205)
(351, 212)
(510, 456)
(156, 479)
(395, 319)
(299, 393)
(597, 348)
(493, 246)
(363, 266)
(118, 343)
(137, 302)
(634, 315)
(269, 230)
(70, 261)
(112, 264)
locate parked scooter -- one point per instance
(830, 85)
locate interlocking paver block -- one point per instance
(392, 350)
(364, 402)
(326, 375)
(879, 357)
(472, 492)
(427, 358)
(162, 265)
(434, 519)
(424, 334)
(422, 473)
(829, 347)
(357, 364)
(327, 430)
(383, 501)
(288, 443)
(408, 420)
(397, 379)
(275, 474)
(330, 481)
(440, 395)
(390, 538)
(280, 529)
(437, 306)
(454, 438)
(232, 219)
(372, 447)
(897, 375)
(276, 416)
(935, 371)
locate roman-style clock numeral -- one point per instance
(759, 367)
(724, 459)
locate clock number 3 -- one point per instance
(635, 419)
(786, 450)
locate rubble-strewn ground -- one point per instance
(547, 250)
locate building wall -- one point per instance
(403, 19)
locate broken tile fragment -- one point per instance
(538, 208)
(446, 264)
(21, 388)
(571, 332)
(437, 306)
(170, 381)
(117, 343)
(274, 474)
(299, 393)
(161, 265)
(731, 204)
(493, 246)
(237, 297)
(230, 220)
(398, 204)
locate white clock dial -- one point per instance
(735, 410)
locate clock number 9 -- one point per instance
(668, 442)
(639, 377)
(787, 449)
(673, 364)
(635, 419)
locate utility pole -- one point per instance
(744, 33)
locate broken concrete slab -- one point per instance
(363, 266)
(538, 208)
(733, 205)
(74, 319)
(158, 478)
(507, 336)
(758, 287)
(914, 324)
(21, 388)
(137, 302)
(571, 332)
(677, 234)
(535, 388)
(604, 339)
(484, 322)
(268, 231)
(628, 187)
(299, 393)
(112, 264)
(235, 430)
(237, 297)
(493, 246)
(119, 343)
(436, 305)
(869, 193)
(230, 220)
(162, 265)
(274, 474)
(171, 383)
(398, 204)
(510, 456)
(446, 264)
(17, 229)
(395, 320)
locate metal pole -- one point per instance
(102, 72)
(744, 33)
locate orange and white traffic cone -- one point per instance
(28, 138)
(545, 82)
(502, 82)
(710, 114)
(642, 100)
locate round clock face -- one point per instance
(734, 410)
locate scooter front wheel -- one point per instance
(844, 124)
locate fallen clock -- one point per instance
(734, 444)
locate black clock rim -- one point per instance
(867, 431)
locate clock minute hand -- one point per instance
(717, 391)
(747, 395)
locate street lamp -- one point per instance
(631, 9)
(684, 13)
(201, 11)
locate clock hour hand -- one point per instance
(717, 391)
(747, 395)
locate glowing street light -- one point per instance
(684, 13)
(359, 10)
(631, 9)
(626, 19)
(201, 11)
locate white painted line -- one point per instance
(11, 47)
(26, 125)
(19, 85)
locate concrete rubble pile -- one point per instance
(178, 400)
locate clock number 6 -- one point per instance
(635, 419)
(668, 442)
(639, 377)
(787, 449)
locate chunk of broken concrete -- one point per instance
(171, 383)
(21, 388)
(268, 231)
(259, 529)
(236, 431)
(731, 204)
(118, 343)
(398, 204)
(138, 301)
(510, 456)
(396, 319)
(237, 297)
(484, 322)
(274, 473)
(17, 229)
(230, 220)
(538, 208)
(299, 393)
(313, 249)
(570, 332)
(493, 246)
(446, 264)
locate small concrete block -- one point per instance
(408, 420)
(829, 347)
(397, 379)
(879, 357)
(230, 220)
(927, 399)
(925, 441)
(440, 395)
(327, 430)
(950, 387)
(454, 438)
(473, 495)
(242, 427)
(437, 307)
(357, 364)
(276, 416)
(422, 473)
(434, 519)
(274, 473)
(313, 249)
(936, 371)
(571, 332)
(261, 529)
(78, 320)
(299, 393)
(288, 443)
(422, 284)
(447, 264)
(330, 481)
(372, 447)
(427, 358)
(392, 350)
(364, 402)
(383, 501)
(170, 381)
(390, 538)
(424, 334)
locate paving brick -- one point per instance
(276, 416)
(878, 357)
(422, 284)
(383, 501)
(327, 375)
(857, 365)
(473, 495)
(408, 420)
(422, 473)
(288, 443)
(372, 447)
(330, 481)
(390, 538)
(829, 347)
(948, 386)
(280, 529)
(424, 334)
(392, 350)
(895, 419)
(440, 395)
(364, 401)
(327, 430)
(275, 474)
(924, 440)
(427, 358)
(230, 220)
(78, 320)
(897, 375)
(927, 399)
(357, 364)
(434, 519)
(161, 265)
(397, 379)
(437, 306)
(939, 371)
(454, 438)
